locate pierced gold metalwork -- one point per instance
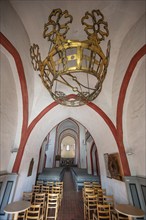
(73, 71)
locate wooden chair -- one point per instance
(60, 184)
(90, 206)
(27, 196)
(40, 182)
(46, 190)
(52, 206)
(103, 212)
(33, 213)
(100, 193)
(109, 199)
(50, 184)
(36, 188)
(96, 187)
(86, 193)
(96, 184)
(21, 216)
(58, 190)
(88, 184)
(39, 199)
(121, 216)
(118, 216)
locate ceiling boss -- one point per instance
(73, 71)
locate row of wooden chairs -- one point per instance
(45, 201)
(103, 212)
(94, 190)
(47, 187)
(46, 183)
(34, 213)
(98, 205)
(92, 195)
(41, 210)
(92, 205)
(31, 196)
(42, 197)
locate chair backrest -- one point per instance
(39, 182)
(52, 200)
(100, 193)
(103, 212)
(87, 192)
(45, 189)
(36, 188)
(121, 216)
(96, 184)
(90, 206)
(39, 198)
(109, 199)
(52, 204)
(88, 184)
(92, 201)
(27, 196)
(50, 184)
(56, 189)
(33, 212)
(60, 184)
(96, 187)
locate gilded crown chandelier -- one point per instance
(73, 71)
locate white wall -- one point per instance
(88, 146)
(83, 151)
(14, 30)
(94, 160)
(9, 110)
(50, 151)
(136, 125)
(11, 96)
(42, 156)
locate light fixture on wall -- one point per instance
(14, 149)
(73, 71)
(130, 152)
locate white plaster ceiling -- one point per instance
(121, 17)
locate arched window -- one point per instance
(67, 147)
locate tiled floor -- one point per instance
(72, 203)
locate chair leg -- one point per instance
(94, 217)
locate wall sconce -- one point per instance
(14, 150)
(129, 152)
(73, 71)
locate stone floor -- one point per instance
(72, 203)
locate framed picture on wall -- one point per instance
(106, 166)
(30, 167)
(114, 166)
